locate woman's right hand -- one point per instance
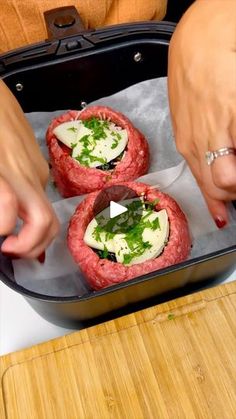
(202, 96)
(23, 177)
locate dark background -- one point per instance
(176, 8)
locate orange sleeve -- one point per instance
(22, 21)
(135, 10)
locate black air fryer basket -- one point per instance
(63, 73)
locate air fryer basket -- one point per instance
(64, 73)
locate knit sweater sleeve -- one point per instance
(22, 21)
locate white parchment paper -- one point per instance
(146, 105)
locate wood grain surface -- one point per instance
(175, 360)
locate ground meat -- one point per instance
(74, 179)
(101, 273)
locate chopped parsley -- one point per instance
(85, 140)
(134, 238)
(171, 316)
(73, 145)
(89, 141)
(151, 204)
(127, 258)
(99, 230)
(133, 235)
(115, 143)
(155, 224)
(111, 164)
(97, 126)
(73, 129)
(116, 139)
(104, 254)
(84, 158)
(97, 233)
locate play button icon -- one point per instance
(116, 209)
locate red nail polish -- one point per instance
(41, 258)
(220, 222)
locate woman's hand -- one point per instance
(202, 95)
(23, 176)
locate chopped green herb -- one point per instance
(104, 254)
(98, 129)
(73, 145)
(115, 143)
(155, 202)
(127, 258)
(85, 158)
(115, 140)
(97, 233)
(156, 224)
(111, 164)
(99, 229)
(171, 316)
(73, 129)
(109, 236)
(97, 126)
(85, 140)
(133, 235)
(151, 205)
(149, 212)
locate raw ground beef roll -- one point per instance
(100, 269)
(94, 148)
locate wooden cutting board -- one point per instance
(176, 360)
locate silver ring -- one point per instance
(210, 156)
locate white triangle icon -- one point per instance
(116, 209)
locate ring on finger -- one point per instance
(210, 156)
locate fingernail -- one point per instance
(41, 258)
(10, 255)
(220, 222)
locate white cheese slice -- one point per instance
(101, 244)
(157, 238)
(90, 240)
(67, 132)
(108, 148)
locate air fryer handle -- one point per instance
(63, 21)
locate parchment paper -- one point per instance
(146, 105)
